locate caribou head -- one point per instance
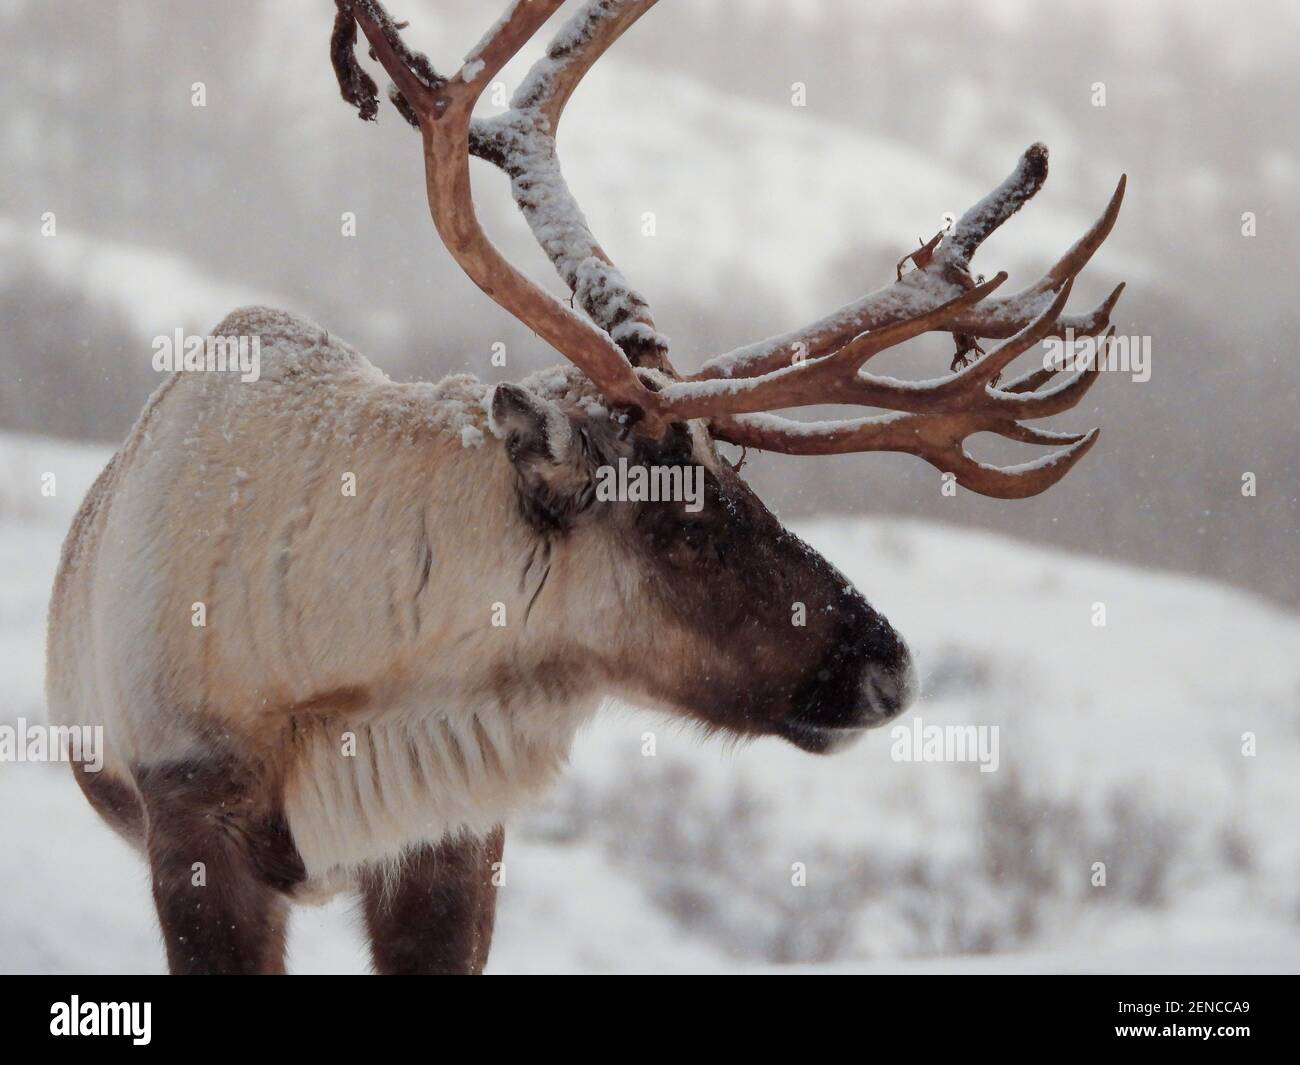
(695, 595)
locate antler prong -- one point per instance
(1016, 482)
(444, 110)
(975, 226)
(862, 348)
(832, 379)
(909, 434)
(985, 371)
(938, 280)
(411, 71)
(1056, 400)
(835, 378)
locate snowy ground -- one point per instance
(1119, 744)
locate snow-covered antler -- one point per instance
(442, 108)
(731, 391)
(943, 272)
(521, 141)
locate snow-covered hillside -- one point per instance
(1119, 744)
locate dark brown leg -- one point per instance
(435, 913)
(221, 864)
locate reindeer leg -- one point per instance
(434, 913)
(222, 862)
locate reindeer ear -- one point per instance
(534, 429)
(552, 475)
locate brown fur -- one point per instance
(116, 801)
(337, 699)
(223, 862)
(434, 914)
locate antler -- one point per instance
(943, 272)
(442, 109)
(938, 437)
(818, 364)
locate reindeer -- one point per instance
(302, 690)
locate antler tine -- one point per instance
(941, 274)
(1005, 316)
(573, 51)
(832, 379)
(911, 434)
(443, 109)
(413, 75)
(935, 437)
(1033, 380)
(975, 226)
(522, 143)
(835, 378)
(1013, 482)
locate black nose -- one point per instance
(885, 691)
(865, 680)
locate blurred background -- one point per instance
(127, 212)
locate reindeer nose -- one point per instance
(888, 685)
(887, 689)
(865, 693)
